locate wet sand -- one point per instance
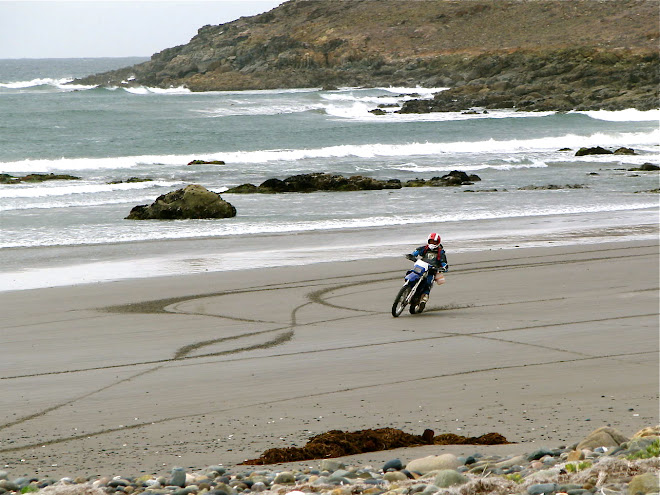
(542, 345)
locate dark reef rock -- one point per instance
(206, 162)
(320, 181)
(131, 180)
(596, 150)
(646, 167)
(599, 150)
(453, 178)
(10, 179)
(551, 187)
(317, 182)
(193, 201)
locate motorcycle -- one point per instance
(412, 290)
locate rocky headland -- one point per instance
(540, 55)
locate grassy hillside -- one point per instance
(492, 44)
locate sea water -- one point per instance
(68, 232)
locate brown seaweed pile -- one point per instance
(337, 443)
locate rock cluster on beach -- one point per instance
(605, 463)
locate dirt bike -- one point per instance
(413, 287)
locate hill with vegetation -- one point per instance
(534, 54)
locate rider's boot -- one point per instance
(422, 301)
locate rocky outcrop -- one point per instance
(599, 150)
(10, 179)
(317, 182)
(131, 180)
(541, 55)
(206, 162)
(550, 80)
(551, 187)
(321, 181)
(453, 178)
(193, 201)
(646, 167)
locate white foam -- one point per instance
(61, 84)
(413, 167)
(630, 115)
(361, 112)
(547, 144)
(281, 109)
(145, 90)
(43, 190)
(418, 90)
(46, 81)
(192, 229)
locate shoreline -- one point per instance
(59, 266)
(542, 345)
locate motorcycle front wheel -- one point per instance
(400, 301)
(414, 305)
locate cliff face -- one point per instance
(316, 43)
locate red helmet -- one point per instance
(434, 240)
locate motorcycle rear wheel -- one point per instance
(400, 300)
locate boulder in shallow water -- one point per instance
(596, 150)
(193, 201)
(206, 162)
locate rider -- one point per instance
(434, 254)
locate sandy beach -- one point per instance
(542, 345)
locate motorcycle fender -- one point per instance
(412, 277)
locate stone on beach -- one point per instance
(433, 463)
(449, 477)
(602, 437)
(643, 484)
(607, 471)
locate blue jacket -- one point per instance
(438, 258)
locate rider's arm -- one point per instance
(418, 252)
(444, 266)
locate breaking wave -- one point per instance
(514, 146)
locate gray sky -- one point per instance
(110, 28)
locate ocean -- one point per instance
(59, 233)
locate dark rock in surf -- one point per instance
(646, 167)
(596, 150)
(453, 178)
(206, 162)
(10, 179)
(131, 180)
(551, 187)
(193, 201)
(317, 182)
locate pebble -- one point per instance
(542, 472)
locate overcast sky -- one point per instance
(111, 28)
